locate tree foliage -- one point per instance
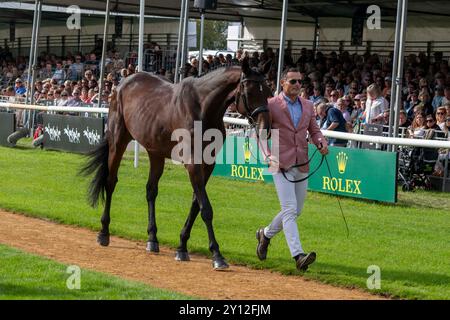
(215, 35)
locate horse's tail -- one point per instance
(98, 163)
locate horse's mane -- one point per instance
(207, 77)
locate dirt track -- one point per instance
(128, 259)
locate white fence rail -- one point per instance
(244, 123)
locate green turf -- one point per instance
(25, 276)
(409, 241)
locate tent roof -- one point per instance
(234, 10)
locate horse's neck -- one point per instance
(215, 92)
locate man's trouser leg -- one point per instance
(291, 197)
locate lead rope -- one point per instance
(337, 196)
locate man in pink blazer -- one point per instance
(292, 119)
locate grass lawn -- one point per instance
(26, 276)
(408, 241)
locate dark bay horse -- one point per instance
(149, 108)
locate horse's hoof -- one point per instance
(220, 264)
(103, 239)
(152, 246)
(182, 256)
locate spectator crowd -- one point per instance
(347, 89)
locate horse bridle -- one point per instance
(250, 115)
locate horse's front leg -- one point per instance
(197, 178)
(182, 252)
(156, 170)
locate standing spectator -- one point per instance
(340, 105)
(332, 119)
(387, 87)
(92, 64)
(60, 74)
(438, 97)
(446, 98)
(76, 69)
(375, 104)
(46, 73)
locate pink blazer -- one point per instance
(293, 146)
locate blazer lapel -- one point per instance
(285, 109)
(305, 116)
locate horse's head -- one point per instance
(252, 95)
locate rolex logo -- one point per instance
(341, 161)
(247, 151)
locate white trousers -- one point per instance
(291, 197)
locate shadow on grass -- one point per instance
(406, 277)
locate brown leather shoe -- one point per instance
(263, 243)
(304, 260)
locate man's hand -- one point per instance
(273, 161)
(323, 150)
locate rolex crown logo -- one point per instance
(247, 151)
(342, 159)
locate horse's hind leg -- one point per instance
(182, 252)
(116, 151)
(156, 170)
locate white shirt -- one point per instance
(375, 107)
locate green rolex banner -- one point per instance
(359, 173)
(240, 158)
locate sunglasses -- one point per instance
(294, 81)
(439, 113)
(430, 120)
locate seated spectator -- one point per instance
(20, 88)
(317, 94)
(417, 127)
(88, 75)
(75, 101)
(84, 95)
(64, 98)
(403, 119)
(304, 93)
(430, 122)
(441, 115)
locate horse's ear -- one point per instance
(245, 66)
